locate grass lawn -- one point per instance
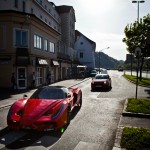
(144, 81)
(138, 105)
(135, 138)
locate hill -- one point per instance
(106, 61)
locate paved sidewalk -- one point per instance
(135, 120)
(8, 97)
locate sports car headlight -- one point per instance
(48, 113)
(58, 112)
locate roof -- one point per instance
(63, 9)
(77, 33)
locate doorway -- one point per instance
(21, 78)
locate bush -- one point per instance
(138, 105)
(135, 138)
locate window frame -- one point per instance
(21, 31)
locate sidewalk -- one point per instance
(127, 119)
(8, 97)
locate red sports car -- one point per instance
(101, 81)
(49, 108)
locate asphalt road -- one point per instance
(93, 127)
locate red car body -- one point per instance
(102, 81)
(44, 114)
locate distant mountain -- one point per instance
(106, 61)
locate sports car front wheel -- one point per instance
(68, 117)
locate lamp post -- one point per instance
(138, 2)
(99, 56)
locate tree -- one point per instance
(137, 35)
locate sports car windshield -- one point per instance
(50, 93)
(102, 77)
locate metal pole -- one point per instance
(137, 76)
(99, 61)
(138, 11)
(131, 64)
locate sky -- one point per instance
(104, 21)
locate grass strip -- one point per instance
(144, 81)
(135, 138)
(138, 105)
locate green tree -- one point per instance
(137, 35)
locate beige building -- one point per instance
(67, 55)
(30, 33)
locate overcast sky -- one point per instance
(103, 21)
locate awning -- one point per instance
(42, 61)
(55, 63)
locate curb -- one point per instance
(131, 114)
(135, 83)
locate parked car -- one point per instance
(102, 81)
(93, 73)
(49, 108)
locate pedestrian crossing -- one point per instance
(27, 139)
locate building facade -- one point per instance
(30, 39)
(67, 54)
(85, 50)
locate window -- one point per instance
(81, 54)
(31, 10)
(41, 2)
(51, 47)
(46, 45)
(2, 37)
(16, 3)
(23, 6)
(21, 38)
(37, 42)
(45, 7)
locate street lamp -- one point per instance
(138, 2)
(99, 56)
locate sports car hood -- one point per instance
(35, 108)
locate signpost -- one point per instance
(137, 54)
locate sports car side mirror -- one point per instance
(69, 95)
